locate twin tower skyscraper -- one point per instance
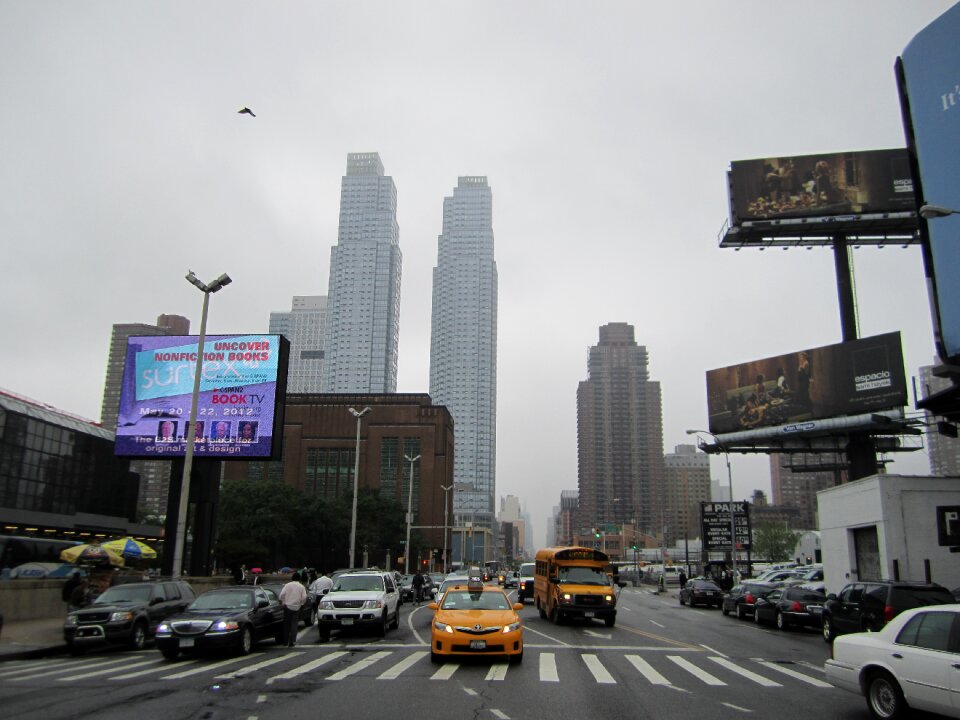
(361, 322)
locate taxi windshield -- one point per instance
(465, 600)
(583, 576)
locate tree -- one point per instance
(774, 542)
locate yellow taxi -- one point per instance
(476, 619)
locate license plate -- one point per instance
(186, 642)
(347, 621)
(589, 613)
(478, 644)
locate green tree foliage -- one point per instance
(774, 542)
(269, 524)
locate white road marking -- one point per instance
(548, 668)
(33, 666)
(109, 670)
(527, 629)
(253, 668)
(743, 672)
(646, 669)
(597, 669)
(497, 671)
(77, 666)
(148, 671)
(446, 672)
(695, 671)
(658, 624)
(307, 667)
(404, 665)
(261, 698)
(497, 714)
(360, 666)
(592, 633)
(207, 668)
(715, 652)
(736, 707)
(794, 674)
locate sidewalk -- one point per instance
(31, 638)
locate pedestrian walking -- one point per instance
(69, 586)
(292, 597)
(683, 579)
(417, 588)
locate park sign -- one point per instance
(715, 525)
(240, 406)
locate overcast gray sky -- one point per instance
(605, 130)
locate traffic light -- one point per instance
(597, 534)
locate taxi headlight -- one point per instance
(372, 604)
(71, 620)
(164, 629)
(512, 627)
(443, 627)
(121, 616)
(224, 626)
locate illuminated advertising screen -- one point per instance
(850, 378)
(240, 405)
(830, 186)
(929, 77)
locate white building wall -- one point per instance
(903, 509)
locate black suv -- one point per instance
(126, 614)
(871, 604)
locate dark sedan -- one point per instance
(741, 599)
(701, 592)
(789, 607)
(231, 618)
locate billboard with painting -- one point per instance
(240, 405)
(849, 378)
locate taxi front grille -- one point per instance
(478, 630)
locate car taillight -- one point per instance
(749, 599)
(888, 613)
(796, 607)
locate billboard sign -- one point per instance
(239, 409)
(849, 378)
(928, 71)
(829, 186)
(715, 525)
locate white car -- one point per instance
(364, 598)
(912, 663)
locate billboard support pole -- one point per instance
(861, 451)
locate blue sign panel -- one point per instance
(931, 85)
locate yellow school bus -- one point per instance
(574, 582)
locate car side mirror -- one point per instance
(518, 606)
(262, 604)
(832, 596)
(433, 606)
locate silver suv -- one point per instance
(360, 598)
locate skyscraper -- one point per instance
(304, 327)
(620, 435)
(154, 475)
(463, 345)
(686, 475)
(363, 298)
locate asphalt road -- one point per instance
(661, 660)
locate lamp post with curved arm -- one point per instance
(446, 489)
(356, 473)
(733, 517)
(406, 551)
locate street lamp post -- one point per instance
(180, 538)
(929, 212)
(356, 476)
(406, 553)
(445, 489)
(733, 517)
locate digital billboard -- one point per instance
(240, 406)
(855, 377)
(928, 74)
(829, 186)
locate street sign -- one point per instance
(715, 524)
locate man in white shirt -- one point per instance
(321, 586)
(292, 597)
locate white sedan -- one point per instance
(913, 662)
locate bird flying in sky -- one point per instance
(246, 111)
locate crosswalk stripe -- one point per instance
(158, 668)
(44, 665)
(101, 671)
(794, 674)
(253, 668)
(208, 668)
(497, 671)
(646, 669)
(548, 668)
(404, 665)
(695, 671)
(307, 667)
(79, 666)
(445, 672)
(360, 666)
(597, 669)
(743, 672)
